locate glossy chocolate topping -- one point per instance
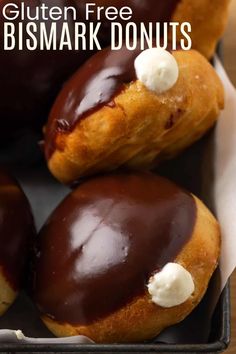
(104, 75)
(31, 80)
(92, 86)
(95, 84)
(16, 229)
(100, 246)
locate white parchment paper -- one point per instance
(225, 176)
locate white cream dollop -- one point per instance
(157, 69)
(172, 286)
(19, 334)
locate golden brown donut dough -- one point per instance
(142, 127)
(145, 319)
(208, 20)
(16, 233)
(7, 294)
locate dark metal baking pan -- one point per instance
(219, 340)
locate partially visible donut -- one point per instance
(31, 79)
(16, 234)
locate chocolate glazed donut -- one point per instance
(102, 244)
(105, 118)
(97, 254)
(30, 80)
(16, 235)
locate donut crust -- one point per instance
(142, 127)
(142, 319)
(17, 228)
(7, 294)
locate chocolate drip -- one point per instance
(16, 229)
(101, 245)
(92, 86)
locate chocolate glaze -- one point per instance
(30, 80)
(100, 246)
(92, 86)
(16, 229)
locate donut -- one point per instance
(121, 109)
(31, 80)
(207, 18)
(208, 21)
(123, 257)
(16, 235)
